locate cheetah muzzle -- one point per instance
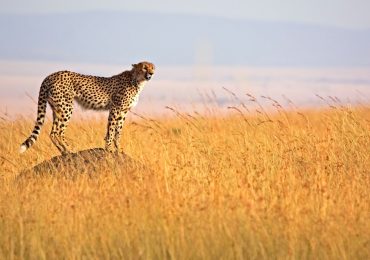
(118, 94)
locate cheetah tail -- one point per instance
(41, 112)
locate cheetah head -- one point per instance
(143, 70)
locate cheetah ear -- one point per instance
(134, 65)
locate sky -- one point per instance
(352, 14)
(269, 46)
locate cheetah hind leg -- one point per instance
(57, 135)
(60, 143)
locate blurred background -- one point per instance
(205, 51)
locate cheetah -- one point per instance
(118, 94)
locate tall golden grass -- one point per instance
(285, 185)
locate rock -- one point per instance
(91, 161)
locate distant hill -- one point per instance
(122, 37)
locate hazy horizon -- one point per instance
(197, 88)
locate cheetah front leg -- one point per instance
(111, 128)
(119, 125)
(114, 128)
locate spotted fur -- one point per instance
(116, 94)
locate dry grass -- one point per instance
(290, 185)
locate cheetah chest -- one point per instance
(135, 98)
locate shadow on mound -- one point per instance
(92, 161)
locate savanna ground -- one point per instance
(242, 185)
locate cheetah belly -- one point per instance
(96, 102)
